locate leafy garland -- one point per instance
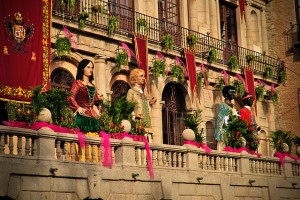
(233, 63)
(141, 23)
(191, 40)
(239, 87)
(121, 59)
(199, 79)
(159, 67)
(268, 73)
(259, 92)
(113, 24)
(63, 46)
(281, 76)
(192, 121)
(279, 137)
(212, 55)
(273, 97)
(168, 42)
(249, 58)
(82, 18)
(176, 72)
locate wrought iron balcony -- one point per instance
(157, 28)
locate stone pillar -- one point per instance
(287, 168)
(191, 157)
(199, 15)
(184, 20)
(248, 26)
(264, 34)
(214, 25)
(244, 163)
(125, 153)
(100, 75)
(46, 144)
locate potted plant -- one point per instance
(176, 72)
(239, 88)
(121, 59)
(259, 92)
(191, 40)
(192, 121)
(168, 42)
(249, 58)
(268, 73)
(233, 63)
(212, 55)
(97, 9)
(82, 18)
(282, 141)
(272, 96)
(159, 67)
(221, 84)
(281, 76)
(199, 79)
(63, 46)
(141, 25)
(113, 24)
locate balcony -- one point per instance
(44, 161)
(156, 30)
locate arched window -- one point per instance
(210, 138)
(172, 112)
(61, 78)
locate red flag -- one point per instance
(24, 47)
(191, 66)
(242, 8)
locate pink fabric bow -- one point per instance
(128, 50)
(71, 38)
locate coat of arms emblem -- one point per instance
(19, 32)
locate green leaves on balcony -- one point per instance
(259, 92)
(121, 59)
(268, 73)
(98, 8)
(239, 87)
(233, 62)
(141, 25)
(113, 24)
(82, 18)
(176, 72)
(191, 40)
(212, 56)
(273, 96)
(281, 76)
(63, 46)
(159, 67)
(249, 58)
(168, 42)
(70, 3)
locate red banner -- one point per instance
(191, 66)
(25, 47)
(242, 8)
(141, 49)
(250, 82)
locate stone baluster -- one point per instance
(268, 167)
(200, 161)
(66, 153)
(204, 158)
(11, 145)
(208, 162)
(212, 163)
(19, 147)
(27, 146)
(143, 157)
(218, 163)
(100, 154)
(159, 157)
(169, 159)
(237, 165)
(137, 156)
(222, 163)
(34, 147)
(2, 143)
(164, 158)
(154, 157)
(113, 155)
(58, 150)
(86, 153)
(229, 164)
(179, 160)
(73, 152)
(233, 164)
(174, 159)
(184, 160)
(94, 153)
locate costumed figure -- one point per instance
(136, 95)
(84, 98)
(247, 115)
(225, 110)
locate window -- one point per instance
(228, 22)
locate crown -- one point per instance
(18, 16)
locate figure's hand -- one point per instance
(152, 101)
(81, 110)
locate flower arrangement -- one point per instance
(191, 40)
(259, 92)
(20, 112)
(121, 59)
(212, 55)
(249, 58)
(192, 121)
(233, 62)
(268, 73)
(239, 87)
(176, 72)
(273, 97)
(113, 24)
(159, 67)
(63, 46)
(282, 140)
(82, 18)
(168, 42)
(141, 24)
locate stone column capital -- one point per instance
(100, 58)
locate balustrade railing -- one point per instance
(265, 166)
(156, 28)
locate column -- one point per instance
(100, 74)
(184, 20)
(248, 26)
(214, 25)
(264, 33)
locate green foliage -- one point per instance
(268, 73)
(98, 8)
(249, 58)
(259, 92)
(236, 132)
(141, 23)
(239, 87)
(192, 121)
(63, 46)
(221, 84)
(121, 59)
(176, 72)
(281, 76)
(70, 3)
(233, 63)
(199, 79)
(212, 55)
(113, 24)
(159, 67)
(279, 137)
(82, 18)
(20, 112)
(273, 97)
(191, 40)
(168, 42)
(113, 112)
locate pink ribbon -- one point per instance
(160, 56)
(71, 38)
(149, 159)
(282, 156)
(190, 142)
(272, 89)
(243, 81)
(239, 150)
(225, 76)
(128, 50)
(202, 145)
(179, 61)
(106, 154)
(206, 148)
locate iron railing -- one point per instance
(156, 28)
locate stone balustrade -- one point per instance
(180, 171)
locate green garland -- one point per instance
(168, 42)
(239, 87)
(141, 23)
(212, 56)
(259, 92)
(191, 40)
(233, 63)
(113, 24)
(159, 67)
(176, 72)
(63, 46)
(121, 59)
(82, 18)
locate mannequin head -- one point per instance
(137, 77)
(247, 99)
(228, 92)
